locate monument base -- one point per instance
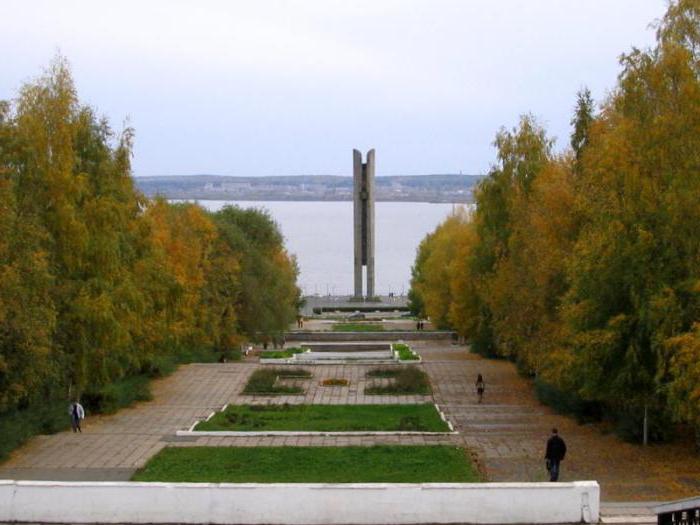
(360, 299)
(316, 305)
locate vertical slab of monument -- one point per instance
(363, 214)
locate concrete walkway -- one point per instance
(507, 431)
(510, 428)
(113, 447)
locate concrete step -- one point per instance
(632, 519)
(345, 355)
(628, 513)
(347, 347)
(387, 335)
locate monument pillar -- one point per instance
(369, 170)
(363, 222)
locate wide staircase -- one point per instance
(346, 353)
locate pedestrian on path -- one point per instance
(77, 413)
(556, 450)
(480, 387)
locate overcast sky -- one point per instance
(290, 87)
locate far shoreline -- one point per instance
(279, 199)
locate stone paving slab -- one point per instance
(114, 445)
(507, 431)
(311, 441)
(69, 474)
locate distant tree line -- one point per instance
(584, 266)
(99, 283)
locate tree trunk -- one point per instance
(645, 432)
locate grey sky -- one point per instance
(290, 87)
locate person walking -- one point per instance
(77, 413)
(480, 387)
(556, 450)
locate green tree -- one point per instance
(268, 296)
(581, 121)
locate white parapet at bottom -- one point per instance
(297, 504)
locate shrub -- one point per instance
(119, 394)
(163, 365)
(629, 424)
(17, 426)
(566, 402)
(383, 372)
(292, 372)
(405, 352)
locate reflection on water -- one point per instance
(320, 235)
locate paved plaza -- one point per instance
(506, 432)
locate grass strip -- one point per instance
(327, 418)
(357, 327)
(377, 464)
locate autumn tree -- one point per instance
(98, 283)
(583, 266)
(27, 313)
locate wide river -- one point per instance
(320, 235)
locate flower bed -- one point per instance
(287, 353)
(335, 382)
(265, 381)
(407, 380)
(358, 327)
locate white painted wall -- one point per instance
(295, 504)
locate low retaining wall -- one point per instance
(348, 347)
(296, 504)
(427, 335)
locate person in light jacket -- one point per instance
(77, 412)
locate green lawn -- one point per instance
(328, 418)
(357, 327)
(378, 464)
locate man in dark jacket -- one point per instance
(556, 450)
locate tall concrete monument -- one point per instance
(363, 206)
